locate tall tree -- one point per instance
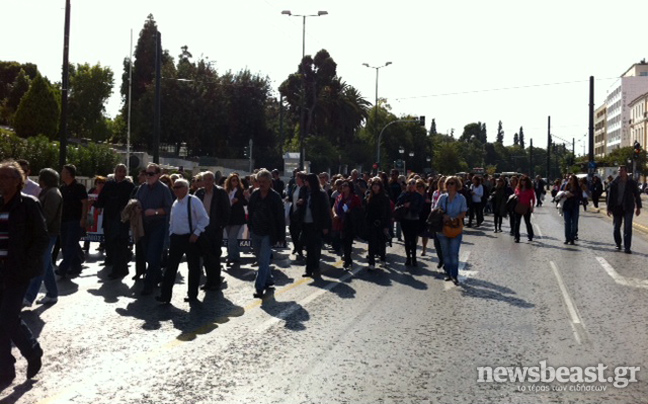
(38, 111)
(500, 133)
(17, 90)
(472, 131)
(516, 140)
(90, 88)
(521, 137)
(433, 128)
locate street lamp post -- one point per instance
(411, 154)
(401, 151)
(377, 68)
(302, 114)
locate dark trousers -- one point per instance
(296, 234)
(437, 247)
(626, 218)
(595, 199)
(376, 240)
(180, 246)
(72, 253)
(538, 199)
(13, 328)
(140, 258)
(153, 243)
(497, 219)
(211, 253)
(478, 209)
(570, 217)
(410, 232)
(527, 221)
(312, 238)
(347, 246)
(116, 244)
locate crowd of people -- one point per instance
(163, 217)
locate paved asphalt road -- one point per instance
(397, 335)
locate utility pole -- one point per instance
(548, 148)
(531, 158)
(250, 145)
(591, 165)
(156, 114)
(65, 84)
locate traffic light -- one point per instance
(422, 120)
(637, 150)
(246, 152)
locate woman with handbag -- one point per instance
(378, 219)
(454, 207)
(412, 202)
(570, 206)
(344, 204)
(524, 207)
(237, 199)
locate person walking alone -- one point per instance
(623, 201)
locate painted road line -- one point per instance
(463, 273)
(571, 307)
(620, 279)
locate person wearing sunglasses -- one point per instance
(156, 200)
(410, 223)
(454, 207)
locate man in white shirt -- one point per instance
(185, 231)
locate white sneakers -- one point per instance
(47, 300)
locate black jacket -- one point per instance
(275, 220)
(378, 213)
(219, 210)
(631, 196)
(237, 211)
(320, 210)
(28, 240)
(114, 197)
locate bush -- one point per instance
(90, 160)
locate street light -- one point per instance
(377, 68)
(302, 114)
(401, 151)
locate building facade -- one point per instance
(639, 120)
(627, 88)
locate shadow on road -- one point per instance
(18, 392)
(292, 313)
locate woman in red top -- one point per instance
(527, 200)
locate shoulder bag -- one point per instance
(452, 228)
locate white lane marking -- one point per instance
(538, 231)
(284, 314)
(620, 279)
(571, 307)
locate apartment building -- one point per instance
(639, 120)
(627, 88)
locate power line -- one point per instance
(501, 89)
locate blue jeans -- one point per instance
(70, 236)
(262, 250)
(13, 328)
(571, 223)
(48, 276)
(153, 243)
(450, 249)
(233, 252)
(626, 218)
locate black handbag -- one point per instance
(435, 220)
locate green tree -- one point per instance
(521, 137)
(516, 140)
(90, 88)
(433, 129)
(500, 133)
(17, 90)
(447, 159)
(473, 131)
(38, 111)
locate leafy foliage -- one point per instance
(38, 111)
(90, 88)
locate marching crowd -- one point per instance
(163, 217)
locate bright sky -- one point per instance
(437, 48)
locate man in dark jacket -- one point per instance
(623, 201)
(73, 221)
(267, 226)
(316, 222)
(21, 259)
(217, 205)
(112, 199)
